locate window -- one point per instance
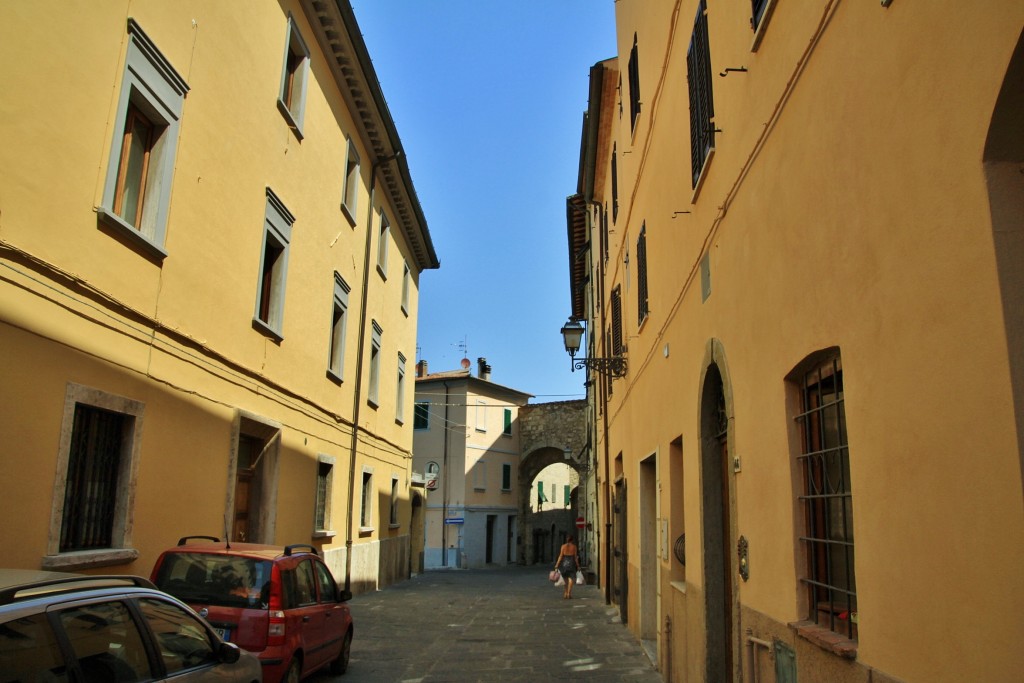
(339, 324)
(421, 415)
(827, 497)
(406, 280)
(277, 234)
(507, 431)
(617, 321)
(106, 642)
(565, 495)
(137, 187)
(96, 469)
(480, 475)
(641, 275)
(29, 650)
(350, 190)
(506, 476)
(702, 108)
(541, 498)
(382, 245)
(394, 501)
(183, 641)
(615, 183)
(481, 416)
(324, 488)
(400, 391)
(757, 10)
(373, 392)
(292, 97)
(327, 586)
(705, 277)
(634, 85)
(366, 505)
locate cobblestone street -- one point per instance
(497, 625)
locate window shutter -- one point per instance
(617, 321)
(702, 110)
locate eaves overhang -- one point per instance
(338, 35)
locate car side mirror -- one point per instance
(229, 653)
(344, 595)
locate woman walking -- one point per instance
(567, 564)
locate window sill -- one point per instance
(480, 488)
(405, 310)
(267, 330)
(348, 215)
(124, 229)
(334, 377)
(289, 118)
(399, 421)
(380, 271)
(372, 403)
(87, 559)
(324, 533)
(827, 640)
(506, 490)
(394, 526)
(365, 531)
(680, 586)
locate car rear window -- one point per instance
(221, 580)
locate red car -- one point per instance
(282, 604)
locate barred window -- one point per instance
(94, 463)
(827, 497)
(702, 107)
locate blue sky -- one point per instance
(488, 97)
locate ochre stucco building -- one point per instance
(800, 223)
(210, 251)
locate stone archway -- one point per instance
(547, 432)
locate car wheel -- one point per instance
(340, 665)
(292, 674)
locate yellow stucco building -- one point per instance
(210, 250)
(800, 224)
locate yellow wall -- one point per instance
(846, 206)
(79, 304)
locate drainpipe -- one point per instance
(444, 493)
(360, 352)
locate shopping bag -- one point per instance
(553, 576)
(579, 579)
(561, 581)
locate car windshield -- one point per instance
(220, 580)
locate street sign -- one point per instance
(455, 520)
(581, 523)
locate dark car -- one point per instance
(78, 628)
(282, 604)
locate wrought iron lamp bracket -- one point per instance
(613, 367)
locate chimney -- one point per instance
(421, 369)
(483, 370)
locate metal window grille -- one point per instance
(702, 108)
(94, 463)
(641, 275)
(827, 500)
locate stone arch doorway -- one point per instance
(540, 532)
(718, 518)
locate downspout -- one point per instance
(444, 493)
(360, 352)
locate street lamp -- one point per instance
(572, 333)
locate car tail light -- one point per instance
(275, 627)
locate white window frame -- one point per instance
(406, 286)
(295, 111)
(366, 497)
(384, 238)
(400, 391)
(393, 519)
(373, 389)
(277, 228)
(350, 186)
(326, 531)
(339, 329)
(152, 86)
(481, 415)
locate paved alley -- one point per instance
(497, 625)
